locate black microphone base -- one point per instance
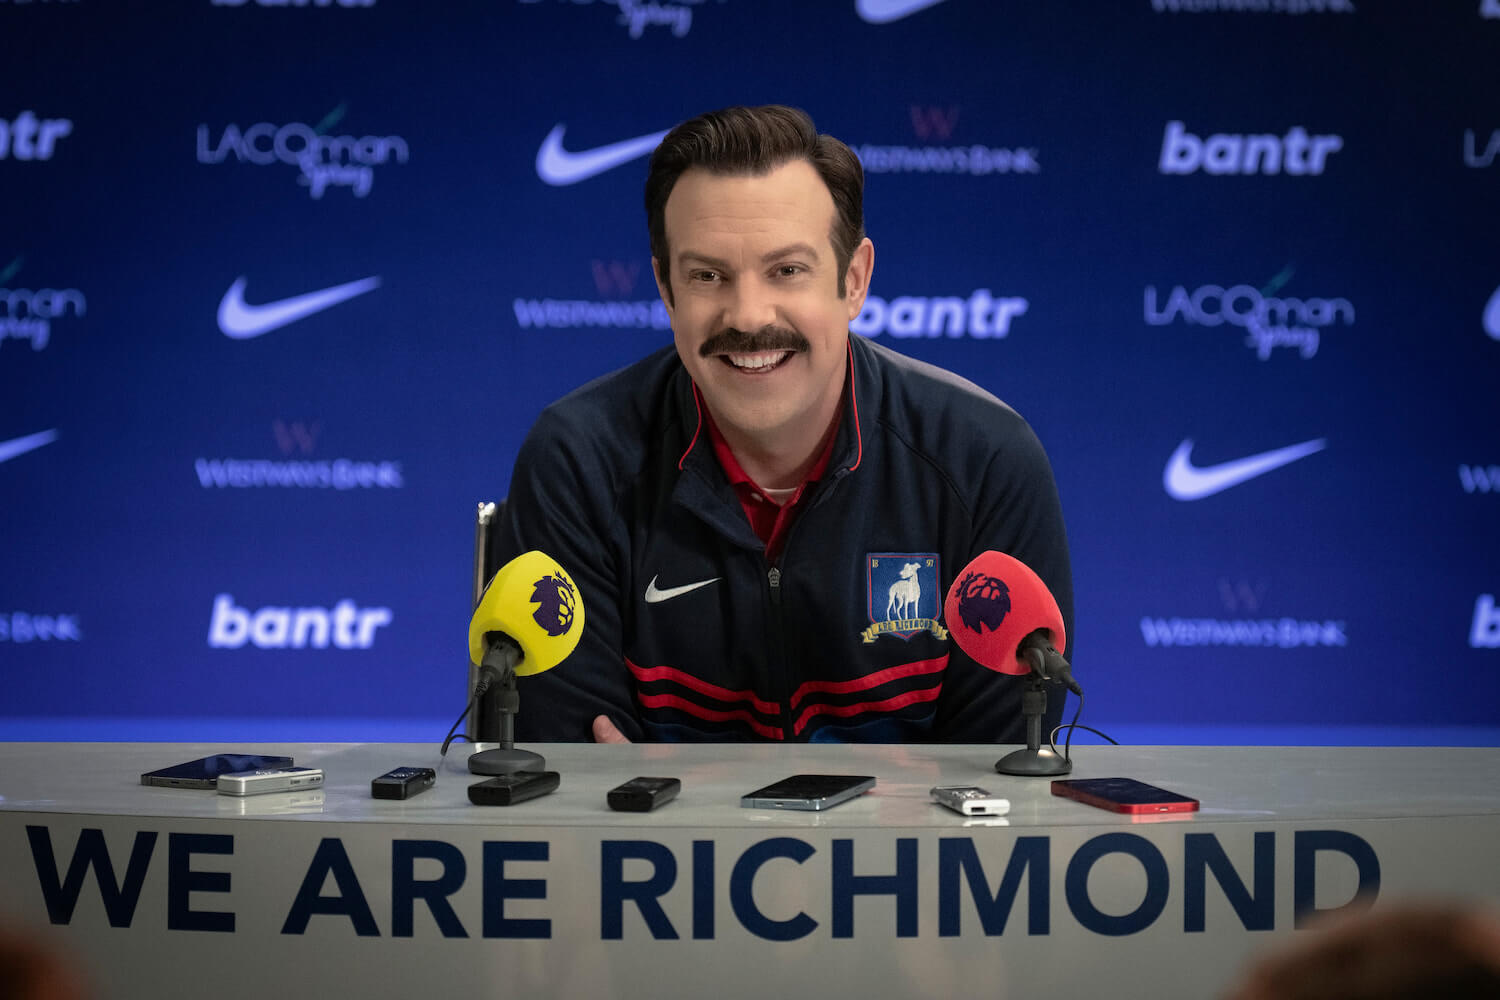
(502, 761)
(1028, 762)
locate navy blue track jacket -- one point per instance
(690, 634)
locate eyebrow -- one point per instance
(780, 253)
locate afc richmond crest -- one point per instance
(902, 592)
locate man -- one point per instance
(763, 522)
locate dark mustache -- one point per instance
(767, 338)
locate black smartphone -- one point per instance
(1123, 795)
(811, 792)
(204, 772)
(508, 789)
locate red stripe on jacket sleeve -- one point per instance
(711, 714)
(884, 705)
(873, 680)
(687, 680)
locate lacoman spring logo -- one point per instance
(1269, 321)
(27, 313)
(323, 158)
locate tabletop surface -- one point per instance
(1234, 784)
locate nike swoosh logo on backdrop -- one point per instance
(241, 321)
(1185, 481)
(559, 167)
(886, 11)
(654, 596)
(21, 445)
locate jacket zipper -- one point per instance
(777, 642)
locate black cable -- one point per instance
(456, 723)
(1068, 747)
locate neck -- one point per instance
(779, 464)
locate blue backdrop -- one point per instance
(1174, 234)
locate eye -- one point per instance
(703, 276)
(789, 270)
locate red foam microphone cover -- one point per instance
(994, 603)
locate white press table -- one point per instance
(182, 893)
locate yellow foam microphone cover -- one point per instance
(532, 600)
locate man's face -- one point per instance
(755, 308)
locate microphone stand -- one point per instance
(1033, 761)
(497, 692)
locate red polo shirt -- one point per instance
(771, 521)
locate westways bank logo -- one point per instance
(27, 314)
(618, 307)
(323, 160)
(939, 149)
(299, 467)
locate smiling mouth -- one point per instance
(758, 362)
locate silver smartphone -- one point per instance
(204, 772)
(276, 779)
(811, 792)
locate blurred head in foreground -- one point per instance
(1402, 952)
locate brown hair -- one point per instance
(755, 141)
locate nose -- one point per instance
(752, 305)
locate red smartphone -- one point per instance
(1123, 795)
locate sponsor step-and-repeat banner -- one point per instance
(283, 284)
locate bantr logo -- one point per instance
(615, 279)
(27, 315)
(980, 316)
(27, 137)
(1485, 632)
(1269, 322)
(1472, 156)
(1296, 153)
(933, 123)
(1480, 478)
(347, 626)
(324, 161)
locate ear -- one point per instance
(857, 277)
(663, 287)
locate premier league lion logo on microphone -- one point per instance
(982, 600)
(555, 596)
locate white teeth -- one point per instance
(761, 359)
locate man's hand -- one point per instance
(606, 731)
